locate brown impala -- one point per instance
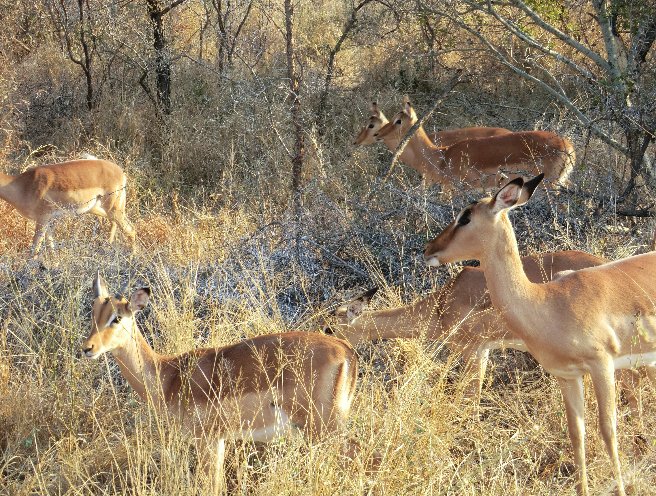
(479, 163)
(258, 389)
(591, 321)
(446, 138)
(47, 192)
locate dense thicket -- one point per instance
(195, 92)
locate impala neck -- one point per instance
(140, 366)
(431, 157)
(510, 289)
(404, 322)
(407, 156)
(384, 324)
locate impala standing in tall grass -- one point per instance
(591, 321)
(479, 163)
(460, 314)
(446, 138)
(259, 389)
(47, 192)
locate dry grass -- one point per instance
(71, 426)
(209, 197)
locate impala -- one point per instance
(258, 390)
(479, 163)
(591, 321)
(460, 314)
(47, 192)
(446, 138)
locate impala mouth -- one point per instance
(90, 354)
(432, 260)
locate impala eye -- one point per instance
(465, 218)
(398, 122)
(115, 320)
(370, 126)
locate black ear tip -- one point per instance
(519, 181)
(146, 290)
(535, 181)
(370, 294)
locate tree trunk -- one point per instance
(295, 110)
(162, 57)
(162, 65)
(637, 141)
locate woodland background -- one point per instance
(234, 121)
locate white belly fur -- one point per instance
(281, 427)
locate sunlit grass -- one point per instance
(71, 426)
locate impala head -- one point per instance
(376, 121)
(400, 123)
(112, 319)
(348, 313)
(467, 237)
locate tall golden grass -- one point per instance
(71, 426)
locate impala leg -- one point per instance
(50, 240)
(127, 229)
(119, 219)
(475, 367)
(603, 380)
(211, 458)
(572, 391)
(112, 233)
(40, 232)
(101, 213)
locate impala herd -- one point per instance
(576, 313)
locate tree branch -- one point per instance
(562, 98)
(170, 7)
(595, 57)
(522, 35)
(642, 42)
(609, 40)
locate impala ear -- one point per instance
(354, 308)
(139, 299)
(409, 110)
(374, 110)
(367, 296)
(407, 105)
(515, 193)
(529, 187)
(99, 287)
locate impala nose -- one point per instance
(87, 350)
(431, 260)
